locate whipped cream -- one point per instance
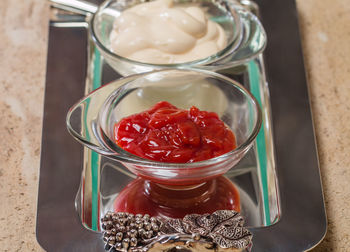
(158, 32)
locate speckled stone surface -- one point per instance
(23, 47)
(325, 29)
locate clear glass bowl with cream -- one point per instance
(140, 36)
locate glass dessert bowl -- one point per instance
(91, 121)
(245, 36)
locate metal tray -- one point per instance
(303, 221)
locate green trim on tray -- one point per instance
(96, 83)
(254, 80)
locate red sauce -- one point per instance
(168, 134)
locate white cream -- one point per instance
(158, 32)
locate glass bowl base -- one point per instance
(145, 197)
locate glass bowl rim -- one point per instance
(230, 48)
(125, 156)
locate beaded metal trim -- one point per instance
(139, 233)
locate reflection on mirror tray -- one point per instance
(241, 187)
(145, 197)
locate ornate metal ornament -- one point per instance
(222, 230)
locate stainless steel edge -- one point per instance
(303, 223)
(77, 6)
(58, 226)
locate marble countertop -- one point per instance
(325, 30)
